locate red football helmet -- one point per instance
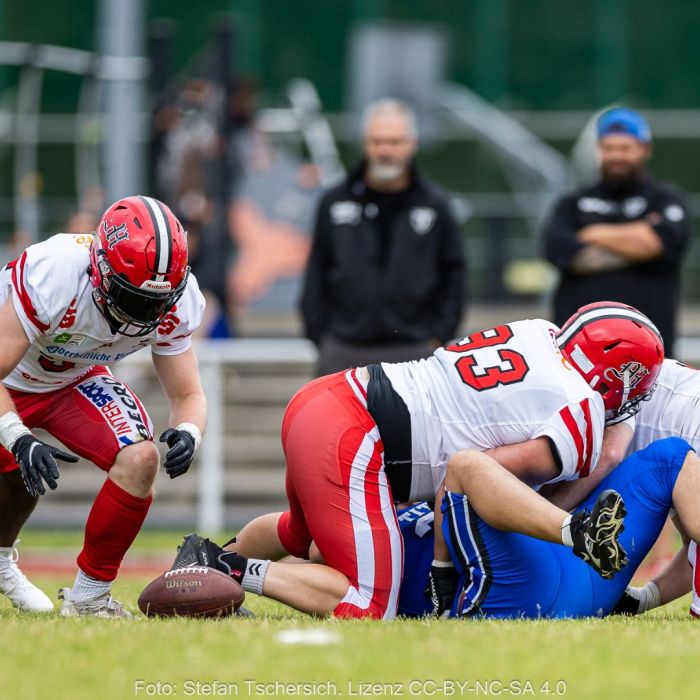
(617, 350)
(138, 264)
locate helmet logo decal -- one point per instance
(633, 372)
(115, 234)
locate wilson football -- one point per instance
(195, 591)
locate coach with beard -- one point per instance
(386, 275)
(624, 237)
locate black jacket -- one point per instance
(654, 286)
(384, 267)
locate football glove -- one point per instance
(635, 601)
(37, 463)
(182, 445)
(442, 586)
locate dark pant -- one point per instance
(335, 355)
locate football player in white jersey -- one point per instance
(532, 396)
(672, 411)
(70, 307)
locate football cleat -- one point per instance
(103, 606)
(201, 551)
(596, 534)
(197, 551)
(23, 594)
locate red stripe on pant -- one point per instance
(339, 497)
(693, 558)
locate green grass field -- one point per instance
(50, 657)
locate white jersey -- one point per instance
(672, 410)
(498, 387)
(52, 294)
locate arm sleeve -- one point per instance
(450, 297)
(175, 332)
(313, 304)
(559, 236)
(674, 227)
(576, 432)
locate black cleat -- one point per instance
(201, 551)
(196, 551)
(596, 534)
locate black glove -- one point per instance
(181, 452)
(442, 586)
(629, 603)
(37, 462)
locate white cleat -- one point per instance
(103, 606)
(23, 594)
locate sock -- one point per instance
(566, 532)
(254, 576)
(250, 573)
(7, 555)
(114, 521)
(86, 587)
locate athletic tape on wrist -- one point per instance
(193, 430)
(11, 428)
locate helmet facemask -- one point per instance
(135, 311)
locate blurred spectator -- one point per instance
(624, 237)
(81, 221)
(270, 218)
(190, 167)
(385, 279)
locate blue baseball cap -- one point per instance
(623, 121)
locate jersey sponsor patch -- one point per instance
(70, 339)
(118, 407)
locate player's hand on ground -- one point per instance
(635, 601)
(179, 457)
(442, 586)
(628, 603)
(37, 463)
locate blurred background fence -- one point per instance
(239, 112)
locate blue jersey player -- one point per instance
(508, 575)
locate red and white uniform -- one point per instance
(502, 386)
(62, 382)
(498, 387)
(673, 411)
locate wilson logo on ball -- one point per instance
(179, 583)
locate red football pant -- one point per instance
(339, 496)
(95, 417)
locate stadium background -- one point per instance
(543, 64)
(547, 63)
